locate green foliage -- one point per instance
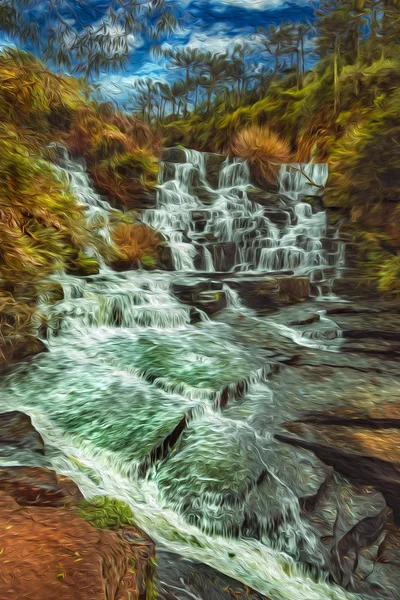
(106, 513)
(120, 151)
(389, 275)
(41, 227)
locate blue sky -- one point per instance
(207, 24)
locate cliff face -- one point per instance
(49, 546)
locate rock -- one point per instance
(47, 550)
(353, 286)
(38, 486)
(148, 199)
(50, 553)
(16, 429)
(224, 255)
(196, 580)
(213, 168)
(266, 292)
(204, 294)
(265, 198)
(173, 155)
(165, 261)
(359, 466)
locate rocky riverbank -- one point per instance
(55, 545)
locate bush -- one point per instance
(121, 153)
(264, 150)
(106, 513)
(136, 245)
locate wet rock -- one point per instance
(224, 255)
(204, 294)
(165, 261)
(264, 198)
(173, 155)
(357, 465)
(176, 575)
(38, 486)
(52, 553)
(266, 292)
(16, 429)
(355, 287)
(148, 199)
(168, 172)
(279, 217)
(207, 196)
(213, 168)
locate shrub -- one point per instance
(41, 227)
(136, 245)
(263, 149)
(106, 513)
(120, 152)
(125, 177)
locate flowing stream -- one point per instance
(177, 419)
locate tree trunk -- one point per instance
(336, 84)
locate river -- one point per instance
(176, 416)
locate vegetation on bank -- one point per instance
(42, 226)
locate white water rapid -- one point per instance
(126, 367)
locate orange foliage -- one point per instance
(263, 149)
(120, 151)
(137, 245)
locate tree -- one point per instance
(214, 73)
(82, 37)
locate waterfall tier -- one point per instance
(224, 229)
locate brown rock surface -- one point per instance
(16, 428)
(38, 486)
(49, 553)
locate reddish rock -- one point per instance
(51, 553)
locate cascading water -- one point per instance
(126, 369)
(227, 231)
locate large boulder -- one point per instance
(50, 553)
(16, 429)
(17, 348)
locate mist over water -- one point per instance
(127, 370)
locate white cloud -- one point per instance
(217, 41)
(118, 87)
(262, 4)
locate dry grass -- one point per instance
(137, 245)
(264, 150)
(120, 152)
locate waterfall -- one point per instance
(302, 179)
(232, 297)
(222, 229)
(137, 402)
(97, 210)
